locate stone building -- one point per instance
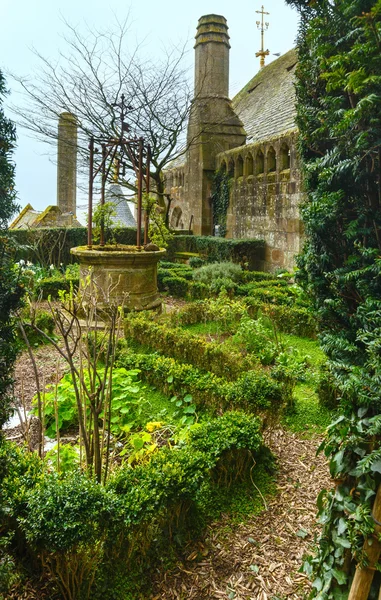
(253, 139)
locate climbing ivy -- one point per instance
(339, 118)
(220, 200)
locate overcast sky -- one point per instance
(40, 24)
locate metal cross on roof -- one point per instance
(263, 27)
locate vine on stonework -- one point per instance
(339, 118)
(220, 200)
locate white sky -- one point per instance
(158, 23)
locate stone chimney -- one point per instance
(67, 163)
(212, 58)
(213, 125)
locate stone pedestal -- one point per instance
(120, 275)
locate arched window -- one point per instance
(284, 157)
(231, 168)
(176, 221)
(239, 167)
(271, 160)
(249, 165)
(259, 163)
(223, 167)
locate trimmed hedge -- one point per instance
(216, 249)
(296, 320)
(109, 530)
(254, 391)
(51, 286)
(52, 245)
(186, 347)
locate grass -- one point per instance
(305, 346)
(308, 416)
(209, 328)
(157, 406)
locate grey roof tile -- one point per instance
(266, 105)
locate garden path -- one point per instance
(260, 559)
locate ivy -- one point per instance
(220, 200)
(339, 117)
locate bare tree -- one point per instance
(88, 79)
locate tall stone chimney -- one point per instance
(67, 163)
(213, 125)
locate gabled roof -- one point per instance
(266, 105)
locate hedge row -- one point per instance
(52, 245)
(188, 347)
(214, 249)
(296, 320)
(109, 530)
(51, 286)
(254, 391)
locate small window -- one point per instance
(223, 167)
(231, 169)
(271, 160)
(249, 165)
(259, 163)
(284, 157)
(239, 167)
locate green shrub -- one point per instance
(51, 286)
(257, 338)
(52, 245)
(261, 276)
(326, 389)
(222, 284)
(223, 270)
(222, 309)
(256, 391)
(196, 262)
(176, 286)
(74, 525)
(198, 290)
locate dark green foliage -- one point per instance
(216, 249)
(196, 262)
(326, 389)
(51, 286)
(10, 286)
(339, 117)
(52, 245)
(8, 204)
(220, 200)
(176, 286)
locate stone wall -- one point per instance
(265, 196)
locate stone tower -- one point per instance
(67, 163)
(213, 125)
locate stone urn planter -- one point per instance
(120, 275)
